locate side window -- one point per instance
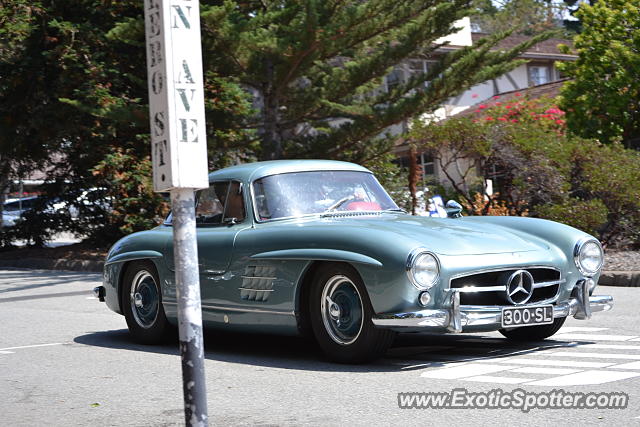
(234, 207)
(210, 203)
(221, 203)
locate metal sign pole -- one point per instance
(179, 157)
(189, 310)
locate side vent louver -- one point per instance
(257, 283)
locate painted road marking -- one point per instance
(30, 346)
(550, 362)
(630, 365)
(501, 380)
(594, 337)
(547, 362)
(612, 346)
(596, 355)
(567, 329)
(466, 370)
(6, 352)
(550, 371)
(413, 366)
(586, 378)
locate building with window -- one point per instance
(538, 74)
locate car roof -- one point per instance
(20, 199)
(250, 171)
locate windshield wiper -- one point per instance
(339, 203)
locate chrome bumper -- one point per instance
(457, 317)
(99, 292)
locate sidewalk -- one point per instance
(630, 279)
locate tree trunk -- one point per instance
(414, 176)
(271, 138)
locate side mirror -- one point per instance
(453, 209)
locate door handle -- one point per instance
(212, 272)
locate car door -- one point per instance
(220, 215)
(216, 237)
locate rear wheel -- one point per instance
(533, 333)
(341, 313)
(142, 303)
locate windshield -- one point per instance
(304, 193)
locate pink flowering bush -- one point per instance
(537, 167)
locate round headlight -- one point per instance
(588, 257)
(423, 269)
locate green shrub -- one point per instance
(134, 206)
(586, 215)
(538, 168)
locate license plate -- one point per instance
(527, 316)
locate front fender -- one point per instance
(134, 255)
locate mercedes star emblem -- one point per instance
(519, 287)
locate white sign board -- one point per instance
(176, 94)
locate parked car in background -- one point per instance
(9, 219)
(19, 205)
(83, 203)
(14, 208)
(319, 248)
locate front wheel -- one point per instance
(142, 303)
(341, 314)
(533, 333)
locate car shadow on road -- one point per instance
(409, 352)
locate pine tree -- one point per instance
(315, 68)
(30, 114)
(74, 79)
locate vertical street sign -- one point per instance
(176, 94)
(179, 156)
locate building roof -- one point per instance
(546, 49)
(549, 90)
(549, 46)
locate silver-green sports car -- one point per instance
(318, 247)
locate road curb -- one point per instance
(55, 264)
(627, 279)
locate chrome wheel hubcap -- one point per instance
(342, 310)
(144, 299)
(137, 300)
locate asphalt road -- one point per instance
(65, 359)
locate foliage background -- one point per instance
(73, 92)
(538, 168)
(602, 100)
(73, 101)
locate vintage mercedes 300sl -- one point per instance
(319, 248)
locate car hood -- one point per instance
(443, 235)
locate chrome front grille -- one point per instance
(490, 288)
